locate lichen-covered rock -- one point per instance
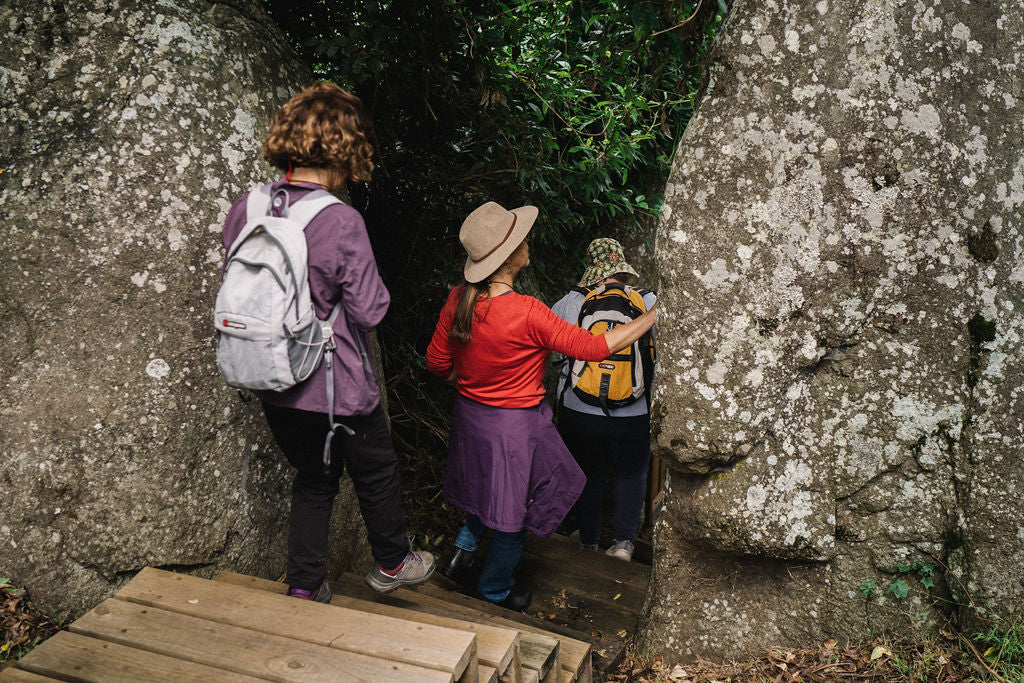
(841, 320)
(128, 129)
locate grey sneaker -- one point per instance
(575, 538)
(623, 550)
(321, 594)
(416, 568)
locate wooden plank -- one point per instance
(412, 601)
(622, 598)
(496, 646)
(423, 645)
(13, 674)
(254, 582)
(80, 658)
(560, 554)
(655, 490)
(539, 650)
(575, 653)
(487, 674)
(237, 649)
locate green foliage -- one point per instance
(572, 105)
(899, 588)
(1004, 650)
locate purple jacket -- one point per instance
(341, 267)
(509, 467)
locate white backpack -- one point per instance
(268, 335)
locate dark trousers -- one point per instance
(371, 462)
(600, 444)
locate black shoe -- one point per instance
(518, 600)
(459, 566)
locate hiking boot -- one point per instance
(623, 550)
(575, 538)
(517, 600)
(415, 568)
(321, 594)
(459, 567)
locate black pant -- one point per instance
(372, 464)
(600, 444)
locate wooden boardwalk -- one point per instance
(164, 626)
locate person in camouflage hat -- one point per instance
(605, 258)
(617, 442)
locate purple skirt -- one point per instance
(510, 468)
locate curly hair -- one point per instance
(323, 126)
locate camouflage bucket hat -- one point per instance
(605, 258)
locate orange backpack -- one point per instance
(624, 377)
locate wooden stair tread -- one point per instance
(14, 674)
(431, 647)
(486, 674)
(234, 648)
(559, 551)
(580, 593)
(575, 649)
(540, 650)
(496, 646)
(98, 660)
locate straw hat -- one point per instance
(490, 234)
(606, 259)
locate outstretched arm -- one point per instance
(624, 335)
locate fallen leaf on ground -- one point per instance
(678, 673)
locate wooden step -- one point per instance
(539, 651)
(234, 648)
(90, 659)
(13, 674)
(423, 645)
(574, 649)
(497, 648)
(560, 551)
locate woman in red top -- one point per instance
(507, 467)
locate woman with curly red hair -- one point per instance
(320, 139)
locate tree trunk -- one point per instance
(841, 323)
(129, 128)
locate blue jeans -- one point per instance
(496, 581)
(603, 445)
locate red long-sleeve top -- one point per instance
(504, 363)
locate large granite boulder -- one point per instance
(842, 312)
(128, 129)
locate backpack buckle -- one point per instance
(328, 335)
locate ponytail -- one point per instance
(462, 322)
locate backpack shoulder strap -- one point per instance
(307, 208)
(257, 202)
(582, 290)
